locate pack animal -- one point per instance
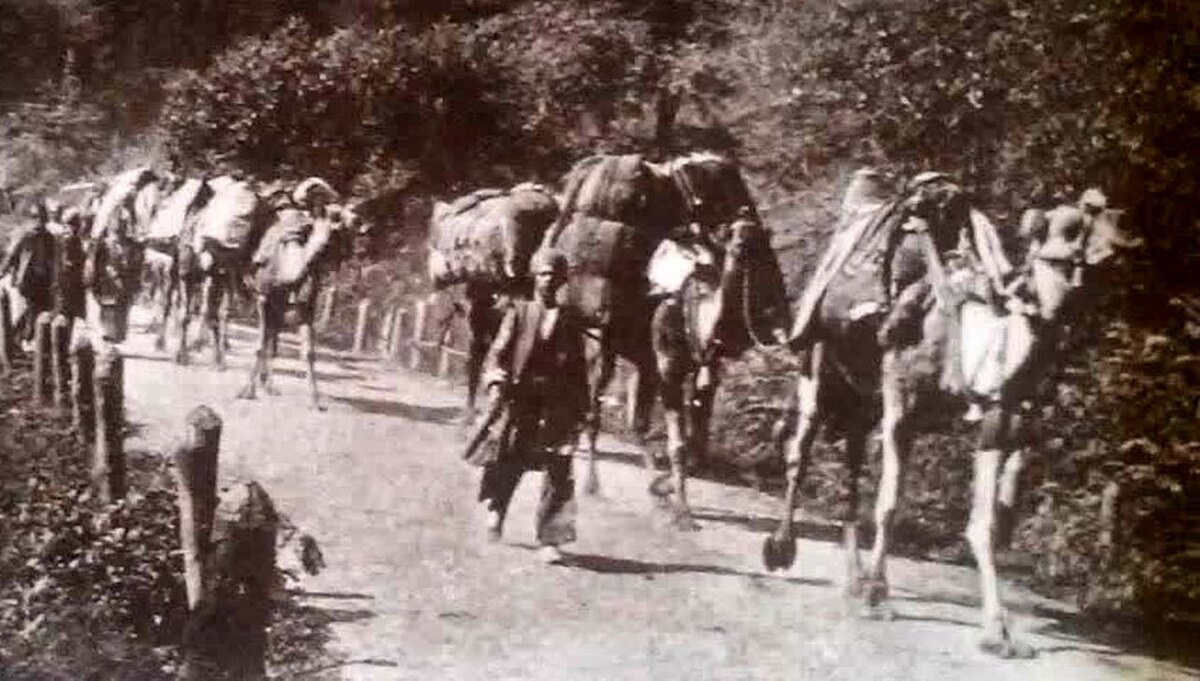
(941, 316)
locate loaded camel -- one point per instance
(302, 245)
(615, 213)
(484, 241)
(915, 305)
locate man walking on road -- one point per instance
(537, 370)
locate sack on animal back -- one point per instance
(604, 257)
(614, 189)
(469, 244)
(170, 220)
(281, 255)
(228, 218)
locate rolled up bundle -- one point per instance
(228, 218)
(488, 236)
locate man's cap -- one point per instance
(548, 260)
(925, 178)
(310, 185)
(1093, 198)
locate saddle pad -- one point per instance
(169, 221)
(228, 217)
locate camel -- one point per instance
(965, 326)
(483, 241)
(172, 259)
(615, 212)
(112, 268)
(716, 311)
(295, 254)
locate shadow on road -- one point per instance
(627, 566)
(1173, 641)
(413, 412)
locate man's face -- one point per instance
(545, 284)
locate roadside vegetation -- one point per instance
(1027, 101)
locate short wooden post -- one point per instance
(360, 325)
(395, 338)
(83, 401)
(326, 311)
(1110, 502)
(445, 349)
(60, 346)
(196, 477)
(7, 340)
(242, 569)
(418, 334)
(41, 359)
(108, 462)
(385, 333)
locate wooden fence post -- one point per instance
(196, 477)
(385, 333)
(108, 462)
(360, 325)
(242, 569)
(60, 355)
(1110, 501)
(41, 359)
(7, 344)
(395, 337)
(418, 334)
(445, 349)
(83, 402)
(326, 311)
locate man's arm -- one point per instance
(498, 362)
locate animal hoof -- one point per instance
(853, 589)
(591, 486)
(875, 591)
(661, 485)
(880, 612)
(246, 394)
(1006, 647)
(684, 522)
(271, 390)
(779, 553)
(182, 358)
(160, 344)
(317, 406)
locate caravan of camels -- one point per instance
(917, 301)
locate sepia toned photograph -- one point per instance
(599, 340)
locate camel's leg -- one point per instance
(259, 369)
(1006, 500)
(308, 350)
(856, 446)
(601, 363)
(895, 438)
(160, 341)
(220, 326)
(997, 638)
(779, 550)
(700, 419)
(673, 419)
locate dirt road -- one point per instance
(418, 593)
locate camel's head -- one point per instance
(1067, 242)
(751, 266)
(711, 189)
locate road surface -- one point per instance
(417, 592)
